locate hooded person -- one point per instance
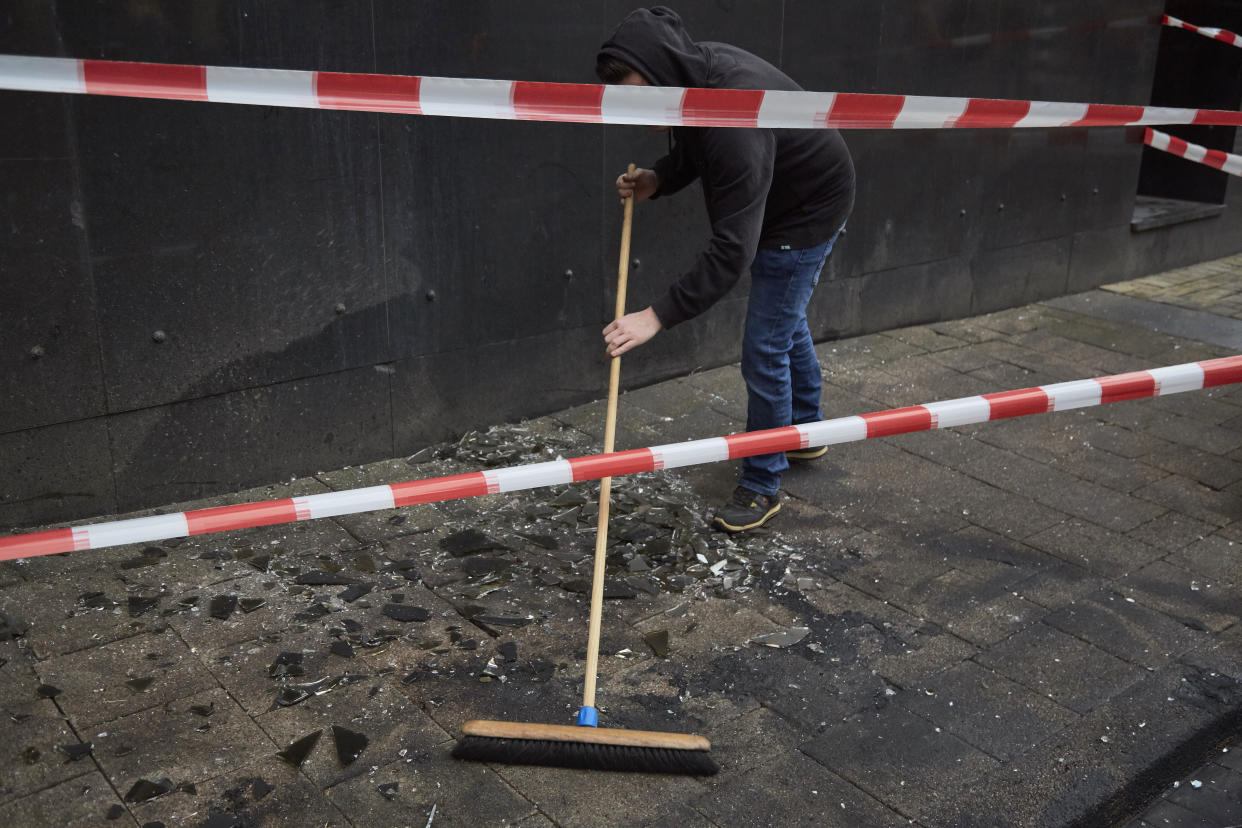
(777, 200)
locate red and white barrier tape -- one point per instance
(1058, 397)
(1216, 34)
(1221, 160)
(570, 102)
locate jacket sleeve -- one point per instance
(674, 170)
(737, 174)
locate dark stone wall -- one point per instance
(202, 297)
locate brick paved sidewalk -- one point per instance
(1027, 622)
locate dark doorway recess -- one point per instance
(1195, 72)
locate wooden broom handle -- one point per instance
(605, 484)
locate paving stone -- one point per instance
(862, 352)
(1167, 815)
(984, 623)
(264, 793)
(373, 707)
(1217, 798)
(462, 794)
(1067, 670)
(1041, 483)
(1198, 405)
(1094, 548)
(1085, 772)
(1172, 531)
(967, 330)
(34, 730)
(1183, 596)
(195, 623)
(799, 790)
(1126, 629)
(1183, 431)
(1066, 444)
(175, 742)
(870, 632)
(61, 623)
(926, 337)
(123, 677)
(711, 624)
(899, 758)
(1215, 557)
(82, 802)
(244, 667)
(571, 798)
(996, 715)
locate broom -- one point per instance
(586, 745)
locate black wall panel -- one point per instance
(256, 265)
(198, 297)
(221, 443)
(56, 472)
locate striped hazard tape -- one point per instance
(572, 102)
(1207, 31)
(1219, 159)
(1058, 397)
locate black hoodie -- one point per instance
(767, 188)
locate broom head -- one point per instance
(589, 748)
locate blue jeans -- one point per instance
(779, 364)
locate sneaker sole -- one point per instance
(807, 454)
(729, 527)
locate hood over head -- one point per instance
(655, 43)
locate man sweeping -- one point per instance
(777, 200)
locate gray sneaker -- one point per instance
(746, 510)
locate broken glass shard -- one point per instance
(141, 604)
(658, 642)
(286, 664)
(470, 542)
(349, 744)
(485, 566)
(342, 649)
(388, 790)
(295, 754)
(76, 752)
(355, 592)
(324, 579)
(95, 600)
(319, 687)
(222, 606)
(140, 685)
(314, 611)
(545, 541)
(249, 605)
(289, 696)
(147, 789)
(570, 497)
(405, 612)
(509, 650)
(784, 638)
(261, 563)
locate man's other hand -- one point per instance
(630, 331)
(642, 184)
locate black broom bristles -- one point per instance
(584, 755)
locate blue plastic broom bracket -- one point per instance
(588, 716)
